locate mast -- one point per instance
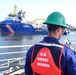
(15, 9)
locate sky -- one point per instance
(40, 8)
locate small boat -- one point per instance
(65, 32)
(15, 23)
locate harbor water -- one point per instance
(13, 40)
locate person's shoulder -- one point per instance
(30, 49)
(68, 51)
(67, 48)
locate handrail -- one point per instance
(9, 61)
(15, 46)
(13, 52)
(12, 60)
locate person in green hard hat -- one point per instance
(49, 56)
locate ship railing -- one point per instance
(8, 61)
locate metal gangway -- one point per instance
(13, 66)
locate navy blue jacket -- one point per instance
(68, 61)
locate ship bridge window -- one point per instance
(36, 23)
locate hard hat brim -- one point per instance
(65, 26)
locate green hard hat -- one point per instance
(56, 18)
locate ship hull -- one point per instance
(16, 27)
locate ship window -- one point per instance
(16, 25)
(14, 28)
(18, 28)
(36, 23)
(22, 29)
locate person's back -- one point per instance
(49, 57)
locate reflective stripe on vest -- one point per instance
(43, 63)
(49, 44)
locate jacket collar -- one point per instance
(50, 39)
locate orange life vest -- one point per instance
(44, 63)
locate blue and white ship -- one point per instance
(15, 23)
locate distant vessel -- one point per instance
(65, 32)
(14, 23)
